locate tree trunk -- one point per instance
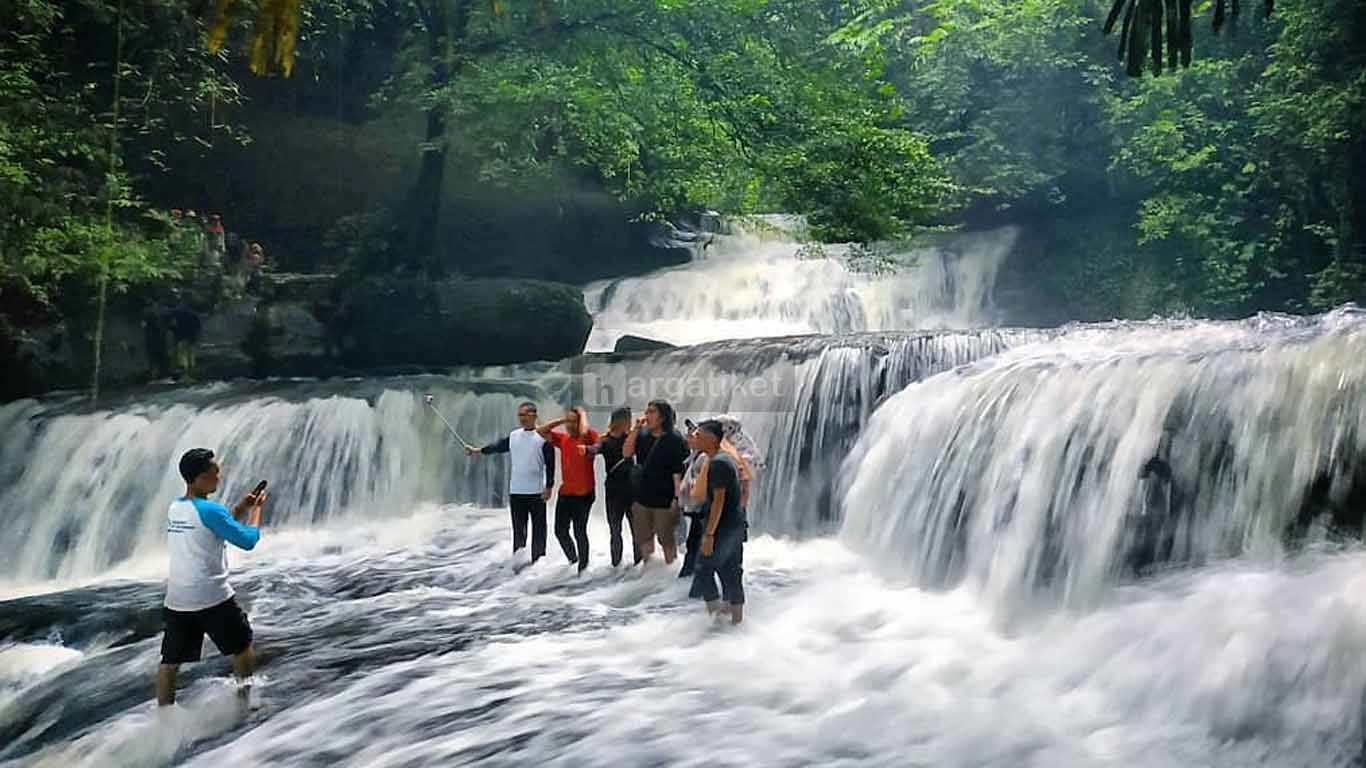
(102, 301)
(424, 203)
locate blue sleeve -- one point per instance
(548, 452)
(502, 446)
(216, 518)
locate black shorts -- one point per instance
(225, 624)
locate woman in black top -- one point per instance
(618, 482)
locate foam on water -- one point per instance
(1230, 666)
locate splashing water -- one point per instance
(1028, 469)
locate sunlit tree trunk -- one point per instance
(111, 185)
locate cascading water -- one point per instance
(765, 282)
(340, 451)
(974, 478)
(1069, 463)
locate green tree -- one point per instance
(84, 86)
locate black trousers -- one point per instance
(696, 524)
(573, 509)
(726, 563)
(528, 506)
(619, 510)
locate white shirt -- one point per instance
(528, 462)
(196, 533)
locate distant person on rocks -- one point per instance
(199, 600)
(154, 341)
(185, 330)
(576, 481)
(531, 481)
(722, 552)
(216, 248)
(618, 482)
(254, 268)
(658, 452)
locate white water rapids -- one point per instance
(763, 281)
(1112, 545)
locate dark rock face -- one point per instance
(297, 326)
(412, 321)
(629, 343)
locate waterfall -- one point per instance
(1063, 466)
(764, 282)
(81, 492)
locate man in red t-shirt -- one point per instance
(576, 481)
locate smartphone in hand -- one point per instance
(261, 486)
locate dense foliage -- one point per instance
(1232, 186)
(71, 214)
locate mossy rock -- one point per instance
(412, 321)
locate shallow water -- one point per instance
(415, 642)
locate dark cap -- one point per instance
(712, 427)
(195, 462)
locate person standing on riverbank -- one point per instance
(199, 600)
(576, 481)
(531, 480)
(658, 452)
(185, 330)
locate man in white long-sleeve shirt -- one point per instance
(199, 599)
(531, 480)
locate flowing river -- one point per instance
(1099, 545)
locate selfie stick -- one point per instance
(432, 404)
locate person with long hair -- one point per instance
(658, 452)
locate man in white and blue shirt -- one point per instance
(199, 600)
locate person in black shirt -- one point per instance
(723, 538)
(185, 330)
(618, 482)
(658, 451)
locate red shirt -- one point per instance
(576, 471)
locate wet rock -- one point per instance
(629, 343)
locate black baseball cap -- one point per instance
(195, 462)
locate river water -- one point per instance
(1101, 545)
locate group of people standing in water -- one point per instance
(656, 478)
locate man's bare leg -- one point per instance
(714, 607)
(166, 684)
(244, 666)
(670, 553)
(737, 614)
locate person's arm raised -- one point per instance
(215, 517)
(544, 429)
(628, 448)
